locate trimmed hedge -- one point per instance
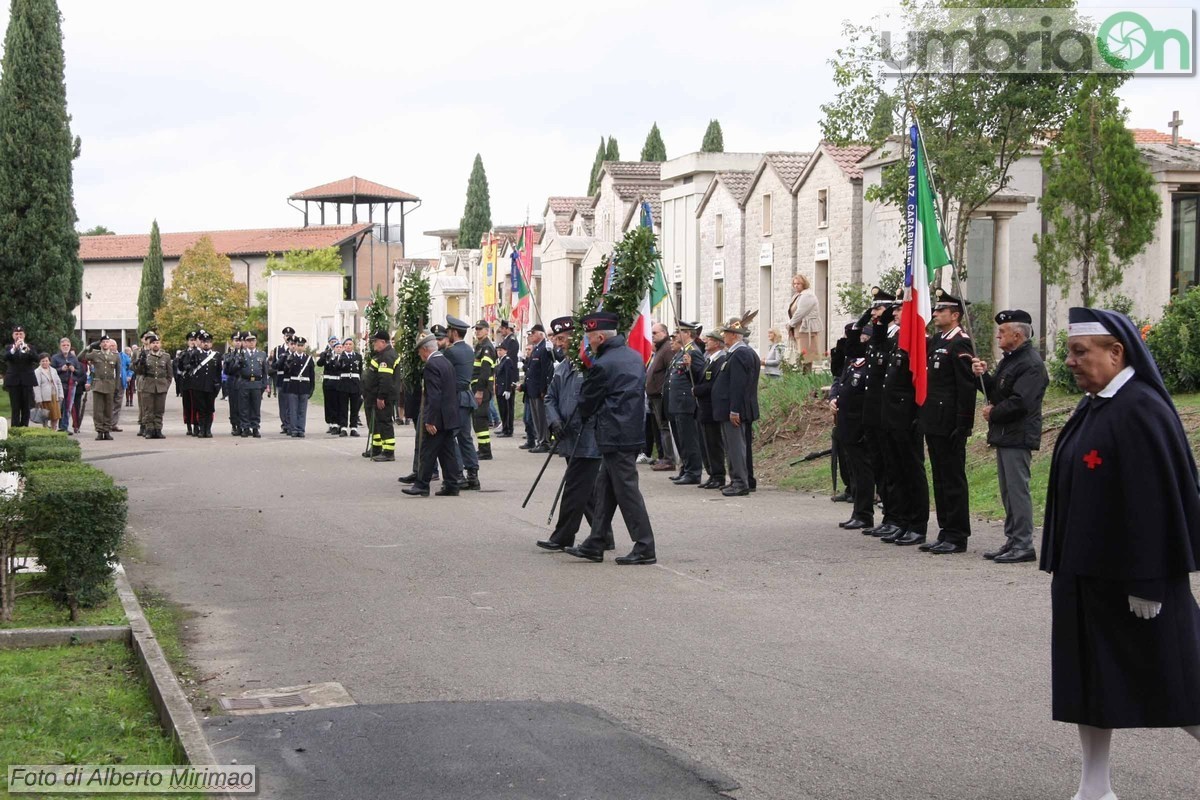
(22, 441)
(76, 522)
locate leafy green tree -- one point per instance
(204, 294)
(477, 215)
(714, 140)
(40, 268)
(594, 181)
(654, 149)
(150, 296)
(976, 125)
(611, 151)
(326, 259)
(98, 230)
(1099, 200)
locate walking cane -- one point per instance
(562, 483)
(550, 455)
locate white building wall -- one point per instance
(732, 254)
(306, 301)
(770, 300)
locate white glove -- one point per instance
(508, 395)
(1144, 609)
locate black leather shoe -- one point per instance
(541, 448)
(713, 485)
(412, 491)
(548, 545)
(844, 497)
(634, 558)
(688, 480)
(1004, 548)
(446, 491)
(470, 483)
(731, 491)
(925, 548)
(894, 537)
(584, 554)
(886, 529)
(1016, 557)
(383, 458)
(910, 538)
(245, 434)
(526, 446)
(409, 478)
(855, 525)
(945, 548)
(99, 437)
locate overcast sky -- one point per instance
(208, 115)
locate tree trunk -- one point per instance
(7, 578)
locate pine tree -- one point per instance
(611, 152)
(594, 181)
(150, 296)
(714, 140)
(654, 149)
(40, 268)
(477, 215)
(1099, 201)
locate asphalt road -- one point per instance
(798, 659)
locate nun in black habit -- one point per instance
(1121, 535)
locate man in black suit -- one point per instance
(710, 427)
(735, 403)
(507, 378)
(19, 378)
(539, 368)
(440, 419)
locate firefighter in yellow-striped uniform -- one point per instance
(381, 391)
(481, 383)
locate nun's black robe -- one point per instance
(1123, 518)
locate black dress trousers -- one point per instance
(578, 501)
(617, 487)
(948, 460)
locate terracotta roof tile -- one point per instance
(133, 247)
(737, 182)
(788, 165)
(633, 170)
(563, 208)
(350, 187)
(848, 157)
(634, 190)
(1151, 136)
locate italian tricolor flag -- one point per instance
(926, 254)
(639, 332)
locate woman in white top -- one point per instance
(773, 363)
(804, 323)
(48, 394)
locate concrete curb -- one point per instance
(174, 711)
(15, 638)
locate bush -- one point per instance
(1060, 376)
(982, 320)
(1175, 342)
(50, 452)
(76, 522)
(22, 440)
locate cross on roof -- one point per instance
(1174, 126)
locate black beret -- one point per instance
(562, 324)
(600, 321)
(1014, 315)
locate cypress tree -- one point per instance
(594, 181)
(654, 149)
(714, 141)
(40, 268)
(477, 216)
(150, 296)
(611, 152)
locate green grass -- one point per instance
(38, 611)
(77, 705)
(5, 406)
(795, 424)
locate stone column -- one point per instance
(1001, 269)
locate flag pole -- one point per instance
(965, 318)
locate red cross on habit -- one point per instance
(1093, 460)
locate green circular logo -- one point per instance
(1125, 40)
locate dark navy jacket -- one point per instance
(680, 399)
(538, 370)
(441, 394)
(562, 399)
(704, 388)
(614, 393)
(736, 388)
(1016, 392)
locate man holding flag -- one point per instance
(941, 366)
